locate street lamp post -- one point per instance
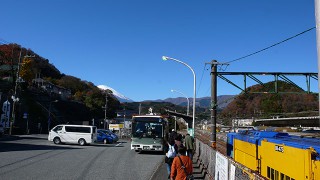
(49, 115)
(165, 58)
(172, 90)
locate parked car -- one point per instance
(104, 137)
(113, 135)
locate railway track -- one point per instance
(221, 141)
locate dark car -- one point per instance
(104, 137)
(109, 132)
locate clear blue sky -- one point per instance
(119, 43)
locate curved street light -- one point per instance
(165, 58)
(172, 90)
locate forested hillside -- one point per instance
(294, 103)
(37, 76)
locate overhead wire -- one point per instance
(204, 68)
(256, 52)
(272, 45)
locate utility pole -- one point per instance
(317, 12)
(214, 85)
(105, 112)
(14, 96)
(124, 120)
(213, 136)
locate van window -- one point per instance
(78, 129)
(58, 128)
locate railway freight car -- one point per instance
(276, 156)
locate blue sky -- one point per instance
(119, 43)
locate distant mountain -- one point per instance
(118, 95)
(204, 102)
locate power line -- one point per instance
(272, 45)
(201, 77)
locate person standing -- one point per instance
(189, 143)
(172, 135)
(171, 152)
(178, 140)
(181, 166)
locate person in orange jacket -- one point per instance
(177, 171)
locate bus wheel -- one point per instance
(56, 140)
(82, 142)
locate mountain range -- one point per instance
(204, 102)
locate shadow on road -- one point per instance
(151, 153)
(11, 146)
(17, 137)
(105, 145)
(10, 143)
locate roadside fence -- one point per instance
(216, 165)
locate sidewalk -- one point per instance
(198, 171)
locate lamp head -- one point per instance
(164, 58)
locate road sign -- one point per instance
(115, 126)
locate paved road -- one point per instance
(34, 157)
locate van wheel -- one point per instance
(82, 142)
(57, 140)
(105, 141)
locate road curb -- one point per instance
(157, 174)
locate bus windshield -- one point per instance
(147, 130)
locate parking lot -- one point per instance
(34, 157)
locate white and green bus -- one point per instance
(148, 133)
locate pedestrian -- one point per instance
(173, 134)
(178, 140)
(189, 144)
(171, 152)
(181, 166)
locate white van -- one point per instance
(74, 134)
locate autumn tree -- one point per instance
(265, 105)
(27, 72)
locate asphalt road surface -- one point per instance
(34, 157)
